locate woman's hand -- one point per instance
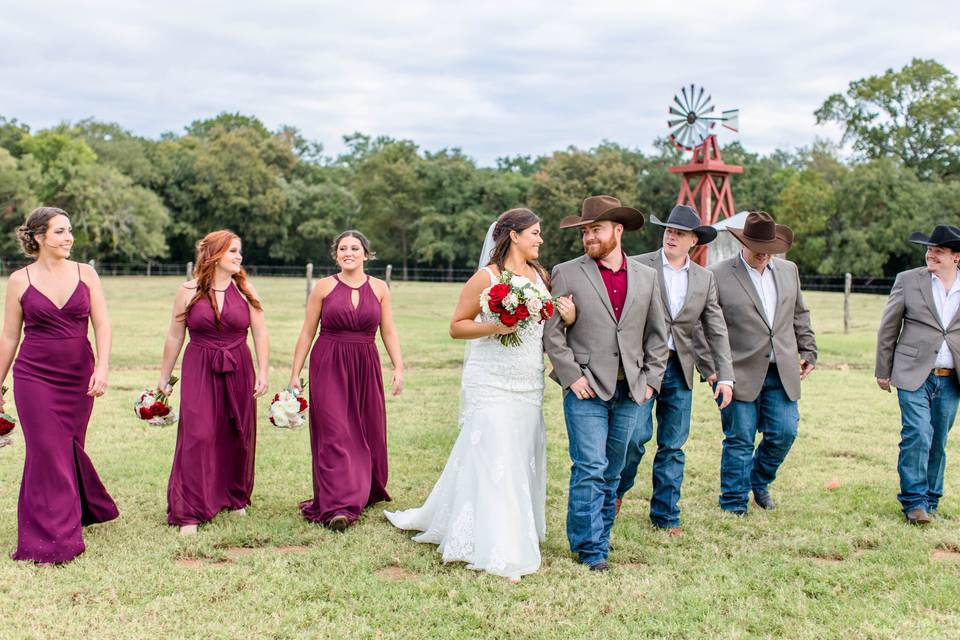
(294, 385)
(502, 329)
(98, 383)
(260, 384)
(567, 309)
(165, 387)
(397, 382)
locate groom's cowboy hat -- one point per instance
(686, 218)
(762, 235)
(944, 235)
(600, 208)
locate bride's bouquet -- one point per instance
(287, 408)
(7, 424)
(152, 406)
(516, 301)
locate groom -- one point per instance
(608, 363)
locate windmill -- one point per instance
(705, 180)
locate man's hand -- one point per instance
(649, 393)
(724, 390)
(884, 384)
(806, 368)
(712, 379)
(582, 389)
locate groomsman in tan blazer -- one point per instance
(773, 348)
(689, 297)
(609, 362)
(918, 350)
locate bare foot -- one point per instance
(188, 529)
(239, 512)
(514, 579)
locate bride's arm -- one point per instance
(462, 325)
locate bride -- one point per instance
(487, 508)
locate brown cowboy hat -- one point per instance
(761, 234)
(599, 208)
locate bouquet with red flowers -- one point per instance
(516, 301)
(287, 408)
(7, 424)
(151, 405)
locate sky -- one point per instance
(492, 78)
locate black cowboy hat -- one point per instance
(599, 208)
(762, 235)
(944, 235)
(686, 218)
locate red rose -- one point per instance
(522, 312)
(508, 319)
(276, 397)
(546, 311)
(498, 292)
(5, 426)
(158, 409)
(145, 413)
(303, 403)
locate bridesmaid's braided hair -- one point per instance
(36, 225)
(518, 220)
(209, 251)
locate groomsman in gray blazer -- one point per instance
(918, 350)
(689, 297)
(773, 348)
(608, 362)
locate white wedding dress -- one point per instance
(487, 508)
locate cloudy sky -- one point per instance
(494, 78)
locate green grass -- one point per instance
(826, 564)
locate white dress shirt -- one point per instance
(947, 303)
(675, 281)
(766, 288)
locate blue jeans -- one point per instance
(598, 431)
(673, 428)
(742, 468)
(927, 415)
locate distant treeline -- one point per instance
(134, 199)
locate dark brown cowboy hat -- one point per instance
(761, 234)
(599, 208)
(944, 235)
(686, 218)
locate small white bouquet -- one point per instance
(287, 409)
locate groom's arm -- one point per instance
(555, 337)
(655, 350)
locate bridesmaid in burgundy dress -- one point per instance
(348, 425)
(216, 438)
(55, 380)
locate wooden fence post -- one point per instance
(149, 263)
(388, 276)
(189, 269)
(847, 287)
(309, 280)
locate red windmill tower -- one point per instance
(705, 180)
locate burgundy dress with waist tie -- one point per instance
(216, 437)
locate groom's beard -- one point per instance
(599, 250)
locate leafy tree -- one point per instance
(912, 114)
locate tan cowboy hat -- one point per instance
(599, 208)
(761, 234)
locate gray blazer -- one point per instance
(699, 307)
(596, 344)
(751, 337)
(910, 332)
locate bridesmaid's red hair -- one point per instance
(209, 251)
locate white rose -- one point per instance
(291, 407)
(485, 301)
(278, 418)
(534, 305)
(520, 281)
(511, 301)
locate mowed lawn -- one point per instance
(834, 561)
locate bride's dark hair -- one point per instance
(518, 220)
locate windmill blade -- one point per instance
(687, 138)
(731, 119)
(673, 123)
(706, 110)
(700, 103)
(677, 112)
(680, 104)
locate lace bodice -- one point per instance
(495, 373)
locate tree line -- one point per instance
(135, 199)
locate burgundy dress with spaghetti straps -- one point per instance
(61, 491)
(216, 437)
(348, 424)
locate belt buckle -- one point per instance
(941, 372)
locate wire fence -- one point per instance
(414, 274)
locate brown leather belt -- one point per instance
(943, 373)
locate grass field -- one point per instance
(827, 564)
